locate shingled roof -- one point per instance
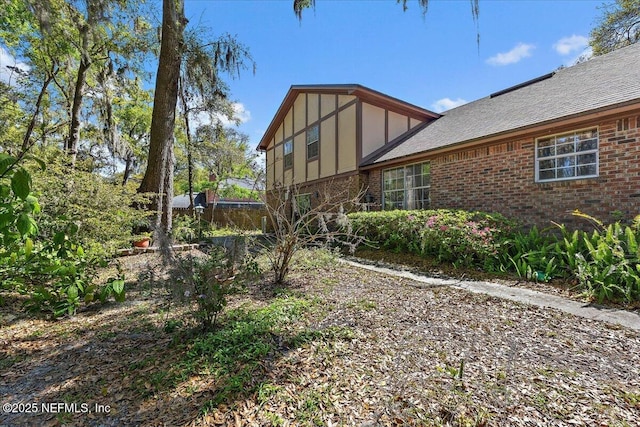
(602, 83)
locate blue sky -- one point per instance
(431, 61)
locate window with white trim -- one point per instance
(312, 142)
(406, 187)
(288, 153)
(565, 156)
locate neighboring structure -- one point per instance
(182, 202)
(245, 213)
(536, 151)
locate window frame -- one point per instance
(404, 185)
(313, 142)
(572, 156)
(288, 156)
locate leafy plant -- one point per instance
(207, 281)
(101, 208)
(609, 268)
(454, 236)
(55, 273)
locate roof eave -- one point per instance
(599, 113)
(357, 90)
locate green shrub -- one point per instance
(186, 229)
(609, 267)
(103, 210)
(605, 262)
(534, 254)
(455, 236)
(53, 270)
(205, 282)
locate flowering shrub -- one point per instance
(605, 263)
(460, 237)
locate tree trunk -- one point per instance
(26, 142)
(71, 145)
(187, 128)
(128, 166)
(158, 177)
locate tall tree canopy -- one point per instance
(300, 5)
(73, 53)
(618, 26)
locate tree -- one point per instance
(202, 90)
(223, 153)
(158, 177)
(618, 26)
(300, 5)
(75, 45)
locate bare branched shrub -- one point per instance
(203, 281)
(317, 219)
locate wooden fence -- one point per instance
(246, 216)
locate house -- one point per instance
(241, 212)
(535, 151)
(183, 202)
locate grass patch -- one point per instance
(234, 354)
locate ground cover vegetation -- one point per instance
(603, 263)
(281, 335)
(334, 346)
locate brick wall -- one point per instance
(501, 178)
(375, 188)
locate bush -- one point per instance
(534, 255)
(608, 264)
(205, 282)
(605, 263)
(459, 237)
(53, 270)
(102, 210)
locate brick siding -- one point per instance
(501, 178)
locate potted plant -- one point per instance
(141, 233)
(142, 240)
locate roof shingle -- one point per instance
(602, 82)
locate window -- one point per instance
(312, 142)
(288, 153)
(566, 156)
(407, 187)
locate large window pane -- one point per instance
(567, 156)
(407, 187)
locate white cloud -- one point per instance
(569, 45)
(522, 50)
(240, 113)
(7, 60)
(445, 104)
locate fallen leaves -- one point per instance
(382, 352)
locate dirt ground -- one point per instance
(376, 351)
